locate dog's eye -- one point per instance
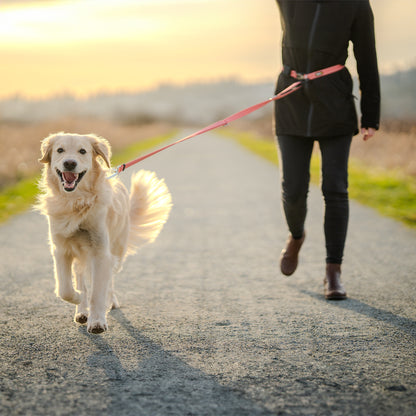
(60, 150)
(82, 151)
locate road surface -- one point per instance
(208, 325)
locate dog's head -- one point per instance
(73, 157)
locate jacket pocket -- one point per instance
(341, 82)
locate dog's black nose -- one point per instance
(70, 164)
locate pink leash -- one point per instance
(289, 90)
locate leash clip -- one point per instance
(117, 170)
(114, 172)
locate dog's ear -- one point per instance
(46, 149)
(102, 148)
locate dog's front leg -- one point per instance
(101, 279)
(81, 270)
(63, 277)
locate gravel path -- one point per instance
(208, 325)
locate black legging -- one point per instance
(295, 155)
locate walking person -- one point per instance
(316, 35)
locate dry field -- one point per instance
(394, 147)
(20, 143)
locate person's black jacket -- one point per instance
(316, 35)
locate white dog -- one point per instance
(93, 222)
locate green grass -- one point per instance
(18, 198)
(389, 192)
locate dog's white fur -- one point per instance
(93, 222)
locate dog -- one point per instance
(94, 223)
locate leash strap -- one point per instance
(313, 75)
(289, 90)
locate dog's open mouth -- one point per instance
(70, 180)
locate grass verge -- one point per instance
(389, 192)
(18, 198)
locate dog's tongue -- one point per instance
(69, 177)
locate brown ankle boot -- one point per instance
(333, 288)
(289, 256)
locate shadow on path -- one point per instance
(404, 324)
(161, 384)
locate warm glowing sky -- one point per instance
(85, 46)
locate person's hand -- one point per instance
(368, 133)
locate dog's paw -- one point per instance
(97, 326)
(81, 318)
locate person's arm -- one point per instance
(363, 39)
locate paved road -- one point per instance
(208, 325)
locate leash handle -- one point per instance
(312, 75)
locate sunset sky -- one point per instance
(86, 46)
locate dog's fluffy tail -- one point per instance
(150, 205)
